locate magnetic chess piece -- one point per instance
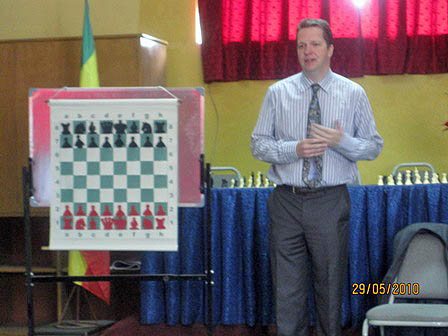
(120, 128)
(134, 224)
(146, 128)
(435, 178)
(92, 128)
(80, 128)
(106, 143)
(380, 180)
(93, 212)
(399, 179)
(160, 211)
(106, 127)
(80, 211)
(160, 126)
(133, 144)
(160, 144)
(65, 128)
(160, 223)
(408, 180)
(147, 142)
(134, 128)
(79, 143)
(119, 143)
(444, 179)
(92, 143)
(106, 211)
(390, 180)
(426, 178)
(147, 211)
(417, 177)
(66, 144)
(241, 184)
(232, 183)
(133, 211)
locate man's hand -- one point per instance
(330, 136)
(311, 147)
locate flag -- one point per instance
(90, 262)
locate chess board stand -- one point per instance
(32, 279)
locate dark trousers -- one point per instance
(309, 231)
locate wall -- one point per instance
(409, 109)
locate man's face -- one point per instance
(313, 52)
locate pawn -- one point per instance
(444, 179)
(380, 180)
(390, 180)
(241, 184)
(426, 178)
(435, 178)
(232, 183)
(249, 182)
(408, 180)
(417, 177)
(257, 182)
(399, 179)
(266, 182)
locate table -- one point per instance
(242, 293)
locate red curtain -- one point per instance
(255, 39)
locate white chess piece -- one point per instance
(380, 180)
(399, 179)
(444, 180)
(266, 182)
(408, 180)
(435, 178)
(241, 184)
(258, 180)
(390, 180)
(232, 183)
(426, 178)
(249, 182)
(417, 177)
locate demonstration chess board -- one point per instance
(114, 173)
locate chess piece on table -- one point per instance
(399, 179)
(408, 180)
(266, 182)
(435, 178)
(241, 184)
(390, 180)
(380, 180)
(444, 179)
(426, 178)
(257, 182)
(249, 182)
(232, 183)
(417, 177)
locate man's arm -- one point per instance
(267, 148)
(366, 144)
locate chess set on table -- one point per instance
(409, 177)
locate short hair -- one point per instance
(320, 23)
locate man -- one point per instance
(312, 128)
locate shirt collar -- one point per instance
(324, 82)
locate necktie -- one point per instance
(312, 167)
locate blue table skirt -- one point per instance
(242, 292)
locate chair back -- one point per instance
(424, 271)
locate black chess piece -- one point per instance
(92, 143)
(66, 144)
(65, 127)
(147, 142)
(160, 126)
(92, 128)
(119, 143)
(106, 127)
(120, 127)
(146, 128)
(80, 128)
(106, 143)
(134, 128)
(160, 144)
(79, 143)
(133, 144)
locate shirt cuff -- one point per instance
(290, 152)
(347, 144)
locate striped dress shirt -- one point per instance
(282, 124)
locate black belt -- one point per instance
(306, 190)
